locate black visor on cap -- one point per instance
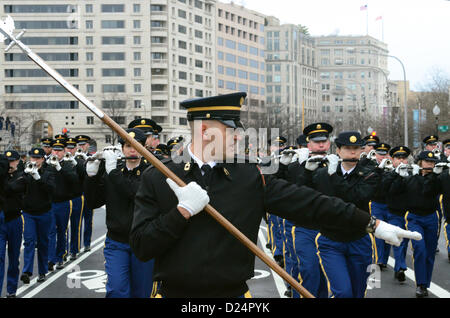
(318, 138)
(232, 123)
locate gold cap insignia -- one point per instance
(143, 122)
(430, 155)
(401, 148)
(319, 126)
(353, 139)
(132, 134)
(36, 151)
(208, 115)
(8, 154)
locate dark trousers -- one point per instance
(58, 231)
(11, 235)
(128, 277)
(37, 228)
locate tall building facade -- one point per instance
(353, 80)
(291, 78)
(240, 58)
(131, 58)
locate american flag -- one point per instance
(364, 7)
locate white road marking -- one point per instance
(279, 283)
(58, 274)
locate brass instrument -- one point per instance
(53, 159)
(30, 165)
(67, 156)
(79, 154)
(436, 152)
(99, 156)
(389, 165)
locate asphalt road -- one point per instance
(85, 277)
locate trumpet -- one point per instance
(79, 153)
(99, 156)
(30, 165)
(53, 159)
(67, 156)
(436, 152)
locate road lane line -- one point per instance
(52, 276)
(279, 282)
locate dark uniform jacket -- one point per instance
(4, 167)
(77, 189)
(37, 194)
(198, 257)
(357, 188)
(445, 187)
(394, 186)
(14, 201)
(65, 181)
(117, 191)
(418, 193)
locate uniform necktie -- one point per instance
(206, 168)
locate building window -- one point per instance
(90, 120)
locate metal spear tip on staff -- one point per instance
(6, 32)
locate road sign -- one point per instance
(443, 128)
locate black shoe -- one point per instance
(25, 278)
(65, 258)
(421, 291)
(279, 259)
(400, 275)
(87, 248)
(288, 292)
(60, 265)
(11, 296)
(73, 256)
(41, 278)
(268, 246)
(449, 256)
(51, 266)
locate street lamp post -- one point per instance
(436, 112)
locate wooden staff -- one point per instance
(153, 160)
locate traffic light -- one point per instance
(65, 131)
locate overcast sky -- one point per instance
(416, 31)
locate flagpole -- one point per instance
(367, 20)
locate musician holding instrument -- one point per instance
(114, 182)
(11, 229)
(83, 143)
(36, 185)
(377, 205)
(418, 193)
(66, 179)
(303, 242)
(345, 255)
(77, 201)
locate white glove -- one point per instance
(416, 169)
(191, 197)
(333, 162)
(55, 164)
(82, 155)
(439, 167)
(311, 164)
(110, 157)
(362, 155)
(393, 234)
(402, 170)
(33, 172)
(383, 164)
(71, 159)
(286, 158)
(301, 155)
(92, 167)
(372, 155)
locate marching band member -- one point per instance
(116, 185)
(12, 228)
